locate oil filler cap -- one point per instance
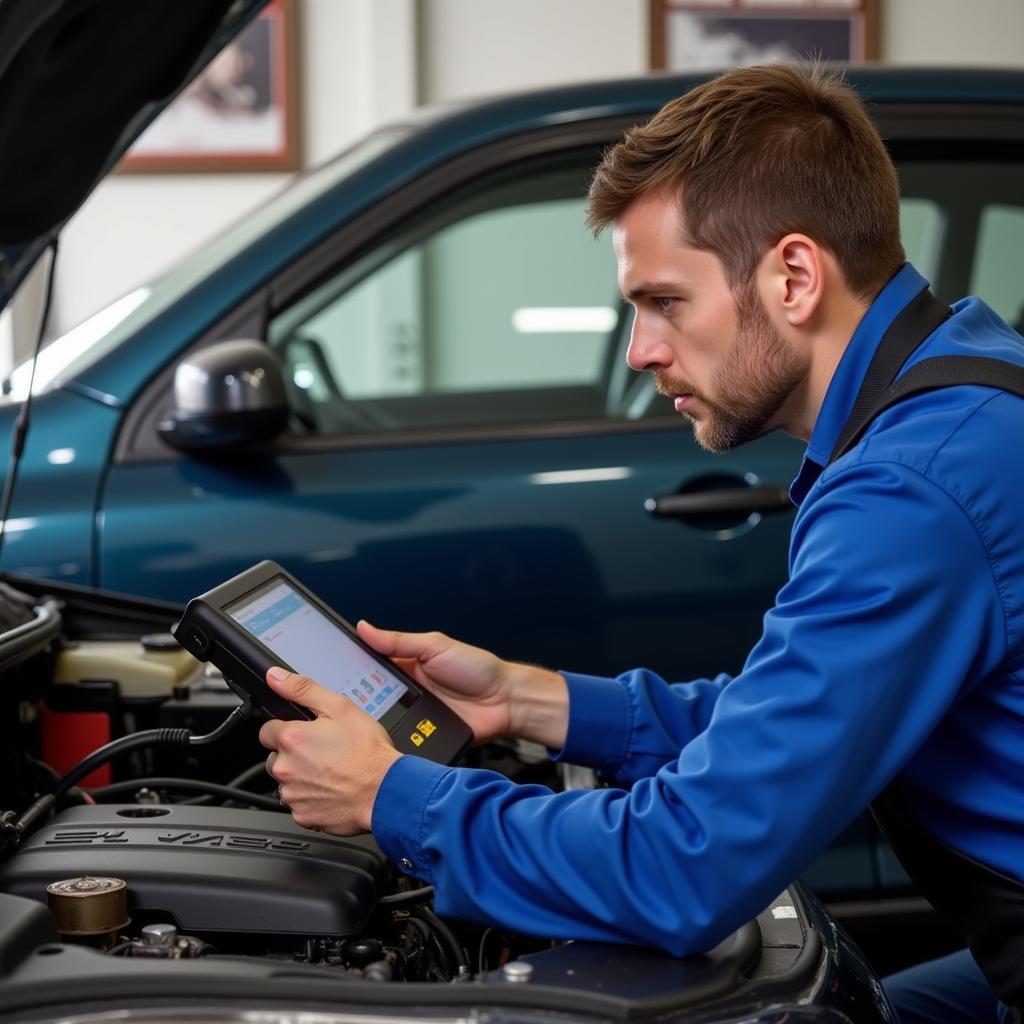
(88, 905)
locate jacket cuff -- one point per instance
(399, 809)
(600, 723)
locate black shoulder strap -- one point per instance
(882, 387)
(941, 372)
(922, 315)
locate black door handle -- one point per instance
(739, 501)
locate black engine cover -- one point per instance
(212, 869)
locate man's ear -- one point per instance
(794, 273)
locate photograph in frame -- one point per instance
(239, 114)
(702, 35)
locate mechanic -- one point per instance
(756, 227)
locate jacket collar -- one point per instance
(846, 381)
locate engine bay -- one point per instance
(210, 870)
(185, 881)
(103, 885)
(174, 873)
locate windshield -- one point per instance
(71, 352)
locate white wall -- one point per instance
(365, 61)
(473, 47)
(953, 32)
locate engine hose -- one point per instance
(116, 789)
(405, 899)
(440, 928)
(238, 782)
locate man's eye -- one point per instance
(666, 305)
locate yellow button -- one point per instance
(416, 738)
(426, 727)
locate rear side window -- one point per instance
(998, 272)
(963, 228)
(922, 223)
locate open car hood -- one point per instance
(79, 82)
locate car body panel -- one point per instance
(52, 525)
(540, 548)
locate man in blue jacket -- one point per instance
(756, 227)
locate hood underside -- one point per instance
(79, 81)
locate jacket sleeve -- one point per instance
(629, 727)
(878, 630)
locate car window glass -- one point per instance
(997, 266)
(503, 309)
(921, 227)
(963, 226)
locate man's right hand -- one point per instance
(495, 698)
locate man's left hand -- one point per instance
(329, 769)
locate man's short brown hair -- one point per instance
(758, 153)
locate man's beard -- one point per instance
(756, 377)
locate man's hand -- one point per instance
(330, 769)
(495, 698)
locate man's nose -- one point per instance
(647, 351)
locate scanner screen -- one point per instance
(303, 637)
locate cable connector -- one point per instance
(240, 714)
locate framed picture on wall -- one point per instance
(240, 113)
(700, 35)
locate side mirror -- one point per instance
(228, 394)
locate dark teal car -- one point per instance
(460, 443)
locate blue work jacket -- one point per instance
(896, 648)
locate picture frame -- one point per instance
(240, 114)
(702, 35)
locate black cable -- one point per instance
(242, 712)
(147, 738)
(488, 932)
(419, 957)
(244, 778)
(122, 745)
(115, 789)
(404, 899)
(441, 969)
(447, 934)
(13, 829)
(238, 782)
(21, 424)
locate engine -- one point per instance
(180, 880)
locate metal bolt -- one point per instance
(517, 970)
(162, 935)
